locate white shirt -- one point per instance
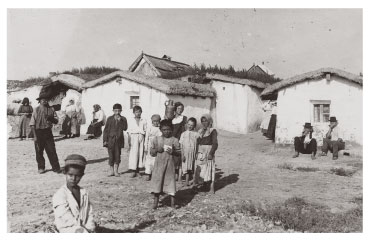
(134, 128)
(177, 120)
(99, 115)
(336, 134)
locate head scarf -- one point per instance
(206, 132)
(97, 106)
(25, 101)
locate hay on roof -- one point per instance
(171, 87)
(313, 75)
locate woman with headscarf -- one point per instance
(179, 126)
(70, 124)
(205, 161)
(94, 130)
(25, 111)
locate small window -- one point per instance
(322, 111)
(135, 101)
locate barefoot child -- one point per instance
(136, 137)
(163, 175)
(188, 143)
(72, 208)
(151, 132)
(207, 145)
(114, 138)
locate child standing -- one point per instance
(188, 143)
(72, 208)
(151, 132)
(114, 138)
(164, 148)
(136, 137)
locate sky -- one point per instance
(288, 41)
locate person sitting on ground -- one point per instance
(114, 138)
(71, 204)
(94, 130)
(334, 140)
(306, 144)
(164, 148)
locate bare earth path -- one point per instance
(247, 170)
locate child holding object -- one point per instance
(114, 138)
(151, 132)
(164, 148)
(188, 143)
(72, 208)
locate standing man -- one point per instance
(334, 139)
(41, 124)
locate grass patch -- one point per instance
(299, 215)
(287, 166)
(358, 165)
(342, 172)
(307, 169)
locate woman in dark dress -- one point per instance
(179, 126)
(25, 111)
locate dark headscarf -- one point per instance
(25, 101)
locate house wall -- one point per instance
(231, 106)
(151, 101)
(295, 108)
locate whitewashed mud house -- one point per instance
(314, 97)
(149, 92)
(238, 105)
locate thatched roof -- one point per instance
(242, 81)
(164, 67)
(313, 75)
(170, 87)
(69, 80)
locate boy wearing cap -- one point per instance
(72, 208)
(114, 138)
(41, 124)
(306, 144)
(334, 140)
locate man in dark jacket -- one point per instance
(114, 138)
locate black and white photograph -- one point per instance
(184, 120)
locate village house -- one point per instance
(314, 97)
(149, 92)
(238, 105)
(260, 69)
(160, 67)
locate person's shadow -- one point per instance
(97, 160)
(136, 229)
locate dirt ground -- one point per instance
(248, 169)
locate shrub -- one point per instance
(307, 169)
(287, 166)
(342, 172)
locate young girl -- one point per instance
(72, 208)
(163, 175)
(136, 136)
(151, 132)
(207, 145)
(188, 143)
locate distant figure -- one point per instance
(136, 138)
(306, 144)
(267, 108)
(25, 111)
(70, 124)
(114, 138)
(164, 148)
(153, 130)
(205, 162)
(334, 140)
(272, 123)
(179, 126)
(94, 130)
(71, 204)
(41, 124)
(188, 143)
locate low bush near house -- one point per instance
(342, 172)
(307, 169)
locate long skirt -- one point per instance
(70, 125)
(205, 169)
(95, 129)
(136, 153)
(24, 129)
(271, 128)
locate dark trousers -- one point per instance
(333, 146)
(114, 154)
(95, 129)
(310, 148)
(45, 141)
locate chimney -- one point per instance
(167, 57)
